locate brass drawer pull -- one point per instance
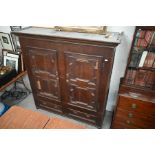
(128, 122)
(130, 115)
(134, 106)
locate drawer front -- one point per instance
(120, 125)
(50, 105)
(131, 104)
(135, 115)
(129, 119)
(83, 116)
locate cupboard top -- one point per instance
(139, 96)
(110, 38)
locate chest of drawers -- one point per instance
(134, 111)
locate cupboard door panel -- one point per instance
(44, 68)
(83, 79)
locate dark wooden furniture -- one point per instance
(136, 100)
(69, 72)
(134, 111)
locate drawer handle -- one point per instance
(134, 106)
(130, 115)
(128, 122)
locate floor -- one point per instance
(29, 104)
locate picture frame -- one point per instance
(6, 41)
(1, 60)
(15, 38)
(15, 28)
(1, 55)
(11, 62)
(83, 29)
(16, 43)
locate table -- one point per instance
(20, 118)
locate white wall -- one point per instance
(120, 62)
(5, 29)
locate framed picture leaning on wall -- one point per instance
(82, 29)
(11, 60)
(15, 38)
(6, 41)
(16, 43)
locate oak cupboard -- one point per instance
(69, 72)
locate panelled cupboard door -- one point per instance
(44, 68)
(83, 79)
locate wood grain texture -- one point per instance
(20, 118)
(132, 112)
(56, 123)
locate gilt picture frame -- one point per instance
(82, 29)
